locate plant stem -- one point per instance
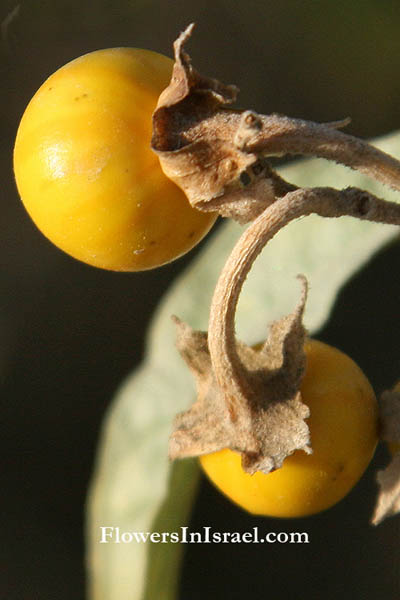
(230, 373)
(296, 136)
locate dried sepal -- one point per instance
(389, 414)
(217, 154)
(201, 144)
(388, 501)
(265, 422)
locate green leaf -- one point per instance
(134, 487)
(164, 560)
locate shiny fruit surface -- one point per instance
(85, 170)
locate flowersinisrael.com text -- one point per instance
(114, 535)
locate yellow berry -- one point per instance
(343, 427)
(85, 170)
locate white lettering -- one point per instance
(184, 538)
(256, 540)
(106, 534)
(140, 536)
(299, 538)
(114, 535)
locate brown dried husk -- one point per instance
(267, 423)
(200, 143)
(388, 501)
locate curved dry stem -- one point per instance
(296, 136)
(230, 373)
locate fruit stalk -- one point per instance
(230, 373)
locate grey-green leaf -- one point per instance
(134, 488)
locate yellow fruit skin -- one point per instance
(85, 171)
(343, 426)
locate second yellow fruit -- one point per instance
(343, 427)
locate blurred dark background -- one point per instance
(70, 333)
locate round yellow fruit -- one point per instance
(85, 170)
(343, 427)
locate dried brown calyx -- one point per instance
(388, 502)
(249, 400)
(250, 420)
